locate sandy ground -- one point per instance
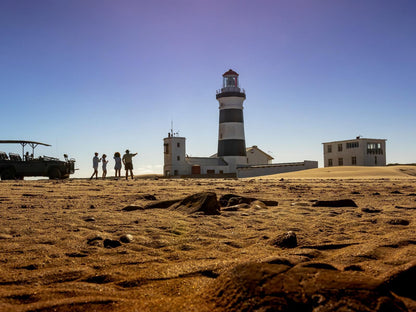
(52, 256)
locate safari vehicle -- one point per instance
(14, 166)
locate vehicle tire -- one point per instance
(54, 173)
(8, 174)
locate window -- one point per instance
(210, 171)
(375, 160)
(330, 163)
(178, 158)
(329, 148)
(178, 144)
(175, 172)
(353, 145)
(221, 171)
(374, 148)
(340, 161)
(340, 147)
(353, 160)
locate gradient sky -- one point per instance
(106, 75)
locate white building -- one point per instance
(356, 152)
(256, 156)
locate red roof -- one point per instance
(230, 72)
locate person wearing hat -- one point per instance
(128, 163)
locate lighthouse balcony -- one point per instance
(231, 91)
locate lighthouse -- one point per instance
(231, 140)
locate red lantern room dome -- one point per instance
(230, 73)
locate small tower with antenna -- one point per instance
(174, 155)
(231, 139)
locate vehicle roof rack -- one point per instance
(32, 144)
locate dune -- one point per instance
(350, 172)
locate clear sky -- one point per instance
(106, 75)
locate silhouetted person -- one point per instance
(95, 161)
(128, 163)
(117, 166)
(105, 161)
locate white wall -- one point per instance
(256, 171)
(175, 162)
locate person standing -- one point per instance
(105, 161)
(95, 161)
(128, 163)
(117, 166)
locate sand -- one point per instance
(52, 256)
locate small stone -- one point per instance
(92, 207)
(30, 267)
(94, 241)
(270, 202)
(132, 208)
(303, 204)
(110, 243)
(149, 197)
(335, 203)
(257, 204)
(287, 240)
(398, 222)
(353, 267)
(371, 210)
(89, 219)
(126, 238)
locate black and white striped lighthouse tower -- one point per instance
(231, 140)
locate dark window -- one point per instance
(210, 171)
(330, 163)
(166, 145)
(340, 147)
(175, 172)
(178, 157)
(354, 160)
(353, 145)
(340, 161)
(178, 144)
(329, 148)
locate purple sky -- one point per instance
(101, 75)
